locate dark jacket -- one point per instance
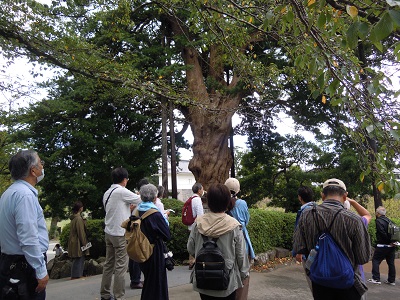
(382, 235)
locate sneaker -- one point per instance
(374, 281)
(391, 283)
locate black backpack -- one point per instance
(210, 270)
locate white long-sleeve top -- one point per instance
(197, 208)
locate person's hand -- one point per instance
(167, 212)
(42, 284)
(350, 200)
(299, 257)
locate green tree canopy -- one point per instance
(83, 131)
(214, 57)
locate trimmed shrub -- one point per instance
(176, 205)
(179, 238)
(269, 229)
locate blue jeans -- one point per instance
(381, 253)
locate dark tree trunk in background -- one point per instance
(164, 150)
(232, 148)
(371, 142)
(173, 151)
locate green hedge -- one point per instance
(174, 204)
(267, 229)
(263, 229)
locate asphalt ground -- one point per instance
(286, 282)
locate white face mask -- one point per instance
(39, 178)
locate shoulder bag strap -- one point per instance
(333, 220)
(148, 213)
(108, 198)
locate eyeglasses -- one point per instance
(42, 162)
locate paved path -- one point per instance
(284, 283)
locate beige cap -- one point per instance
(233, 185)
(334, 182)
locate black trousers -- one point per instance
(206, 297)
(324, 293)
(381, 253)
(23, 279)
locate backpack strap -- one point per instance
(318, 215)
(333, 220)
(148, 213)
(206, 238)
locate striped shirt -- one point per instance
(348, 231)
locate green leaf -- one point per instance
(315, 94)
(395, 134)
(299, 61)
(321, 21)
(395, 16)
(382, 29)
(290, 16)
(333, 87)
(370, 128)
(336, 101)
(352, 36)
(363, 30)
(378, 45)
(321, 81)
(312, 65)
(362, 175)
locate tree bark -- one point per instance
(210, 113)
(173, 151)
(164, 150)
(212, 158)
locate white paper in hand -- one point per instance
(87, 246)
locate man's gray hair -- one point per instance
(381, 210)
(197, 187)
(21, 163)
(148, 192)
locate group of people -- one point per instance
(24, 240)
(349, 230)
(119, 204)
(227, 219)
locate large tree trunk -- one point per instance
(212, 159)
(214, 101)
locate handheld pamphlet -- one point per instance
(87, 246)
